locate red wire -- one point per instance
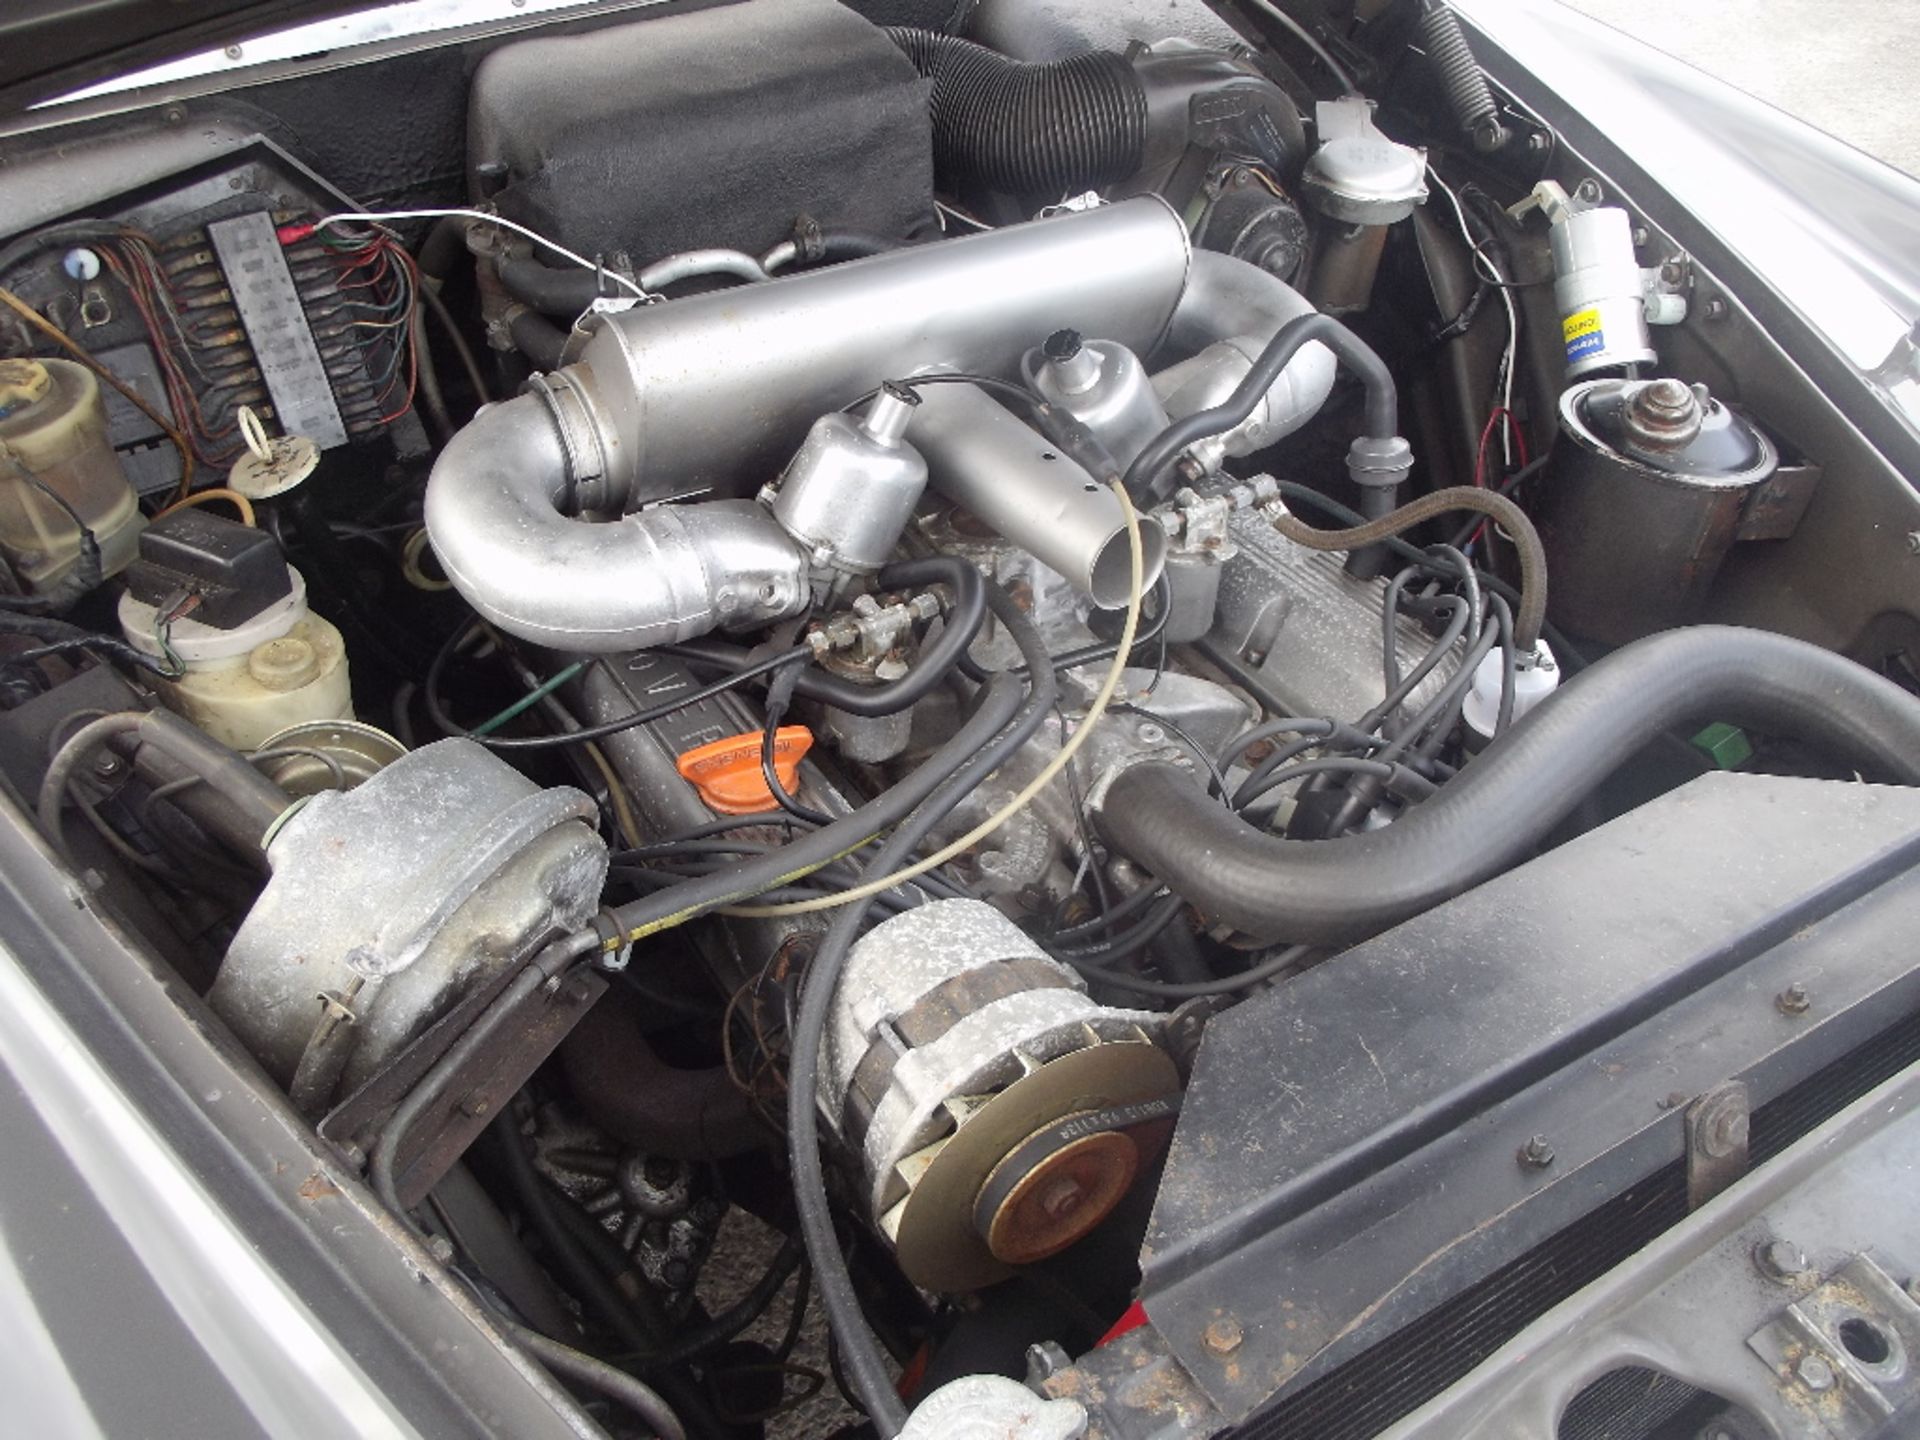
(413, 347)
(1500, 412)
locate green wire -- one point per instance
(529, 700)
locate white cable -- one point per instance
(366, 216)
(1061, 759)
(960, 215)
(1480, 257)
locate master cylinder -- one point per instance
(217, 602)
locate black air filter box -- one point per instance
(715, 127)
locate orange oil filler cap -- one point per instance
(727, 772)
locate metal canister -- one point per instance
(1643, 508)
(1598, 291)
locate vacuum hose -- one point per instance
(1029, 128)
(1336, 892)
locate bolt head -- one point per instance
(1815, 1373)
(440, 1248)
(1224, 1335)
(1793, 1000)
(234, 52)
(1913, 542)
(1716, 309)
(1780, 1259)
(1062, 1198)
(1537, 1153)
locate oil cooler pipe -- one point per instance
(1336, 892)
(712, 394)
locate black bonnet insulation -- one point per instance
(706, 128)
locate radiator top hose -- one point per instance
(1337, 892)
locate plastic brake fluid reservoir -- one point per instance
(57, 466)
(254, 659)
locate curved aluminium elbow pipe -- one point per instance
(1227, 313)
(1335, 892)
(499, 530)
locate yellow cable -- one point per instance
(60, 337)
(217, 492)
(410, 554)
(1060, 761)
(623, 815)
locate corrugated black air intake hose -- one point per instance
(1028, 128)
(1334, 892)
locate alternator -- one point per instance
(998, 1112)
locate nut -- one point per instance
(1793, 1000)
(1062, 1198)
(1224, 1335)
(1536, 1154)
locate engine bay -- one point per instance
(802, 672)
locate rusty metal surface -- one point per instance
(1061, 1198)
(471, 1101)
(1704, 1304)
(1363, 1131)
(1716, 1141)
(1844, 1354)
(1134, 1390)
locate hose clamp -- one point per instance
(1379, 463)
(573, 420)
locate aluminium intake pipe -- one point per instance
(711, 395)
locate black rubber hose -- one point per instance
(1468, 94)
(814, 246)
(255, 801)
(1154, 464)
(860, 1352)
(998, 701)
(638, 1396)
(563, 294)
(838, 245)
(635, 1096)
(1334, 892)
(1043, 129)
(957, 630)
(444, 246)
(538, 338)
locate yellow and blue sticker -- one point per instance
(1584, 334)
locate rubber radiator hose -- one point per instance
(1029, 128)
(1335, 892)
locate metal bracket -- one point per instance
(1716, 1141)
(1846, 1354)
